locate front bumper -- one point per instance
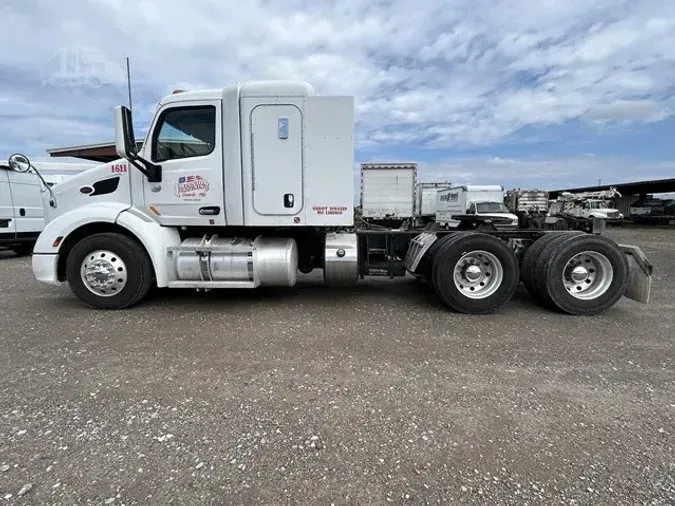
(45, 268)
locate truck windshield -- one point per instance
(599, 204)
(491, 207)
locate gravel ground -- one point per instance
(313, 395)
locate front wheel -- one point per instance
(109, 271)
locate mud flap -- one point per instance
(639, 274)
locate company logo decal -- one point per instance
(192, 187)
(450, 197)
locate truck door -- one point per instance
(6, 206)
(585, 210)
(276, 137)
(29, 213)
(186, 141)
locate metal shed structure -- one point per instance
(101, 152)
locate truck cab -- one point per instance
(598, 208)
(473, 200)
(492, 209)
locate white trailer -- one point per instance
(388, 190)
(476, 200)
(22, 208)
(248, 185)
(425, 201)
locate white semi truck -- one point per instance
(247, 185)
(22, 215)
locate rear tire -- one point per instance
(532, 255)
(109, 271)
(429, 256)
(581, 275)
(475, 273)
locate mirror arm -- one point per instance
(150, 170)
(52, 200)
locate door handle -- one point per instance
(22, 212)
(209, 211)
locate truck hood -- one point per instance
(68, 195)
(512, 217)
(605, 212)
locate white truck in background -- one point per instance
(475, 200)
(22, 204)
(425, 201)
(247, 185)
(388, 192)
(596, 204)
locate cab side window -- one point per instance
(184, 132)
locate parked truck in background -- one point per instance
(528, 205)
(587, 205)
(426, 195)
(486, 201)
(653, 211)
(22, 205)
(248, 185)
(388, 192)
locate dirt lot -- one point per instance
(312, 395)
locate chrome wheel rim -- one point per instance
(478, 274)
(103, 273)
(588, 275)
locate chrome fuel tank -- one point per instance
(263, 261)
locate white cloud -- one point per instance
(626, 111)
(426, 74)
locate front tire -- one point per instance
(109, 271)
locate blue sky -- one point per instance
(525, 93)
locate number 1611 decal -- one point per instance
(118, 167)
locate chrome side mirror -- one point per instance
(19, 162)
